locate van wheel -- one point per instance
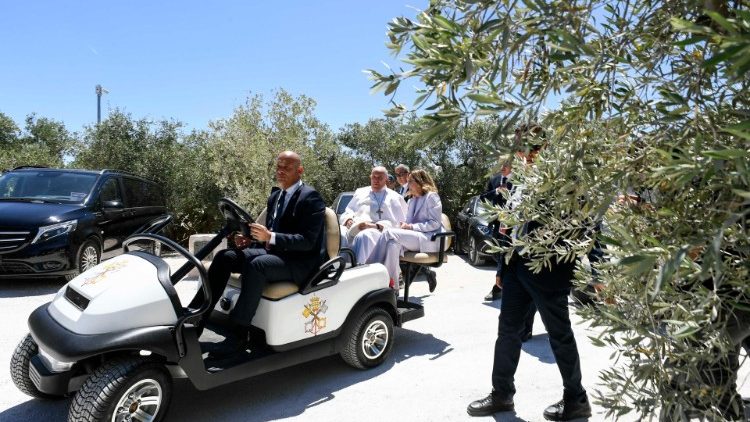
(19, 368)
(127, 389)
(370, 341)
(474, 258)
(89, 255)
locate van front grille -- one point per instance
(15, 268)
(12, 240)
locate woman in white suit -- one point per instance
(423, 219)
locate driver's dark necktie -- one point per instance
(278, 212)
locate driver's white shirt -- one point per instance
(289, 192)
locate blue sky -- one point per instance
(189, 60)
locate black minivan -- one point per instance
(60, 222)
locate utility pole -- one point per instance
(99, 92)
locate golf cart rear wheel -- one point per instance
(19, 368)
(127, 389)
(370, 341)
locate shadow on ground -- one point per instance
(508, 417)
(277, 395)
(29, 287)
(291, 391)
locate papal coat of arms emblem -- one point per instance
(103, 270)
(314, 309)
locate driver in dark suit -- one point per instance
(289, 247)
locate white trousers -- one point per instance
(391, 247)
(364, 243)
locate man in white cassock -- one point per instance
(372, 209)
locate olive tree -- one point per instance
(157, 150)
(242, 148)
(640, 97)
(43, 142)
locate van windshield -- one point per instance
(46, 186)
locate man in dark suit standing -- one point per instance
(498, 188)
(290, 247)
(493, 193)
(548, 290)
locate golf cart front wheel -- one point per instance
(126, 389)
(370, 341)
(19, 368)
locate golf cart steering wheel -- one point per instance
(237, 218)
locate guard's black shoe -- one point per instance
(526, 336)
(490, 405)
(431, 280)
(567, 410)
(494, 294)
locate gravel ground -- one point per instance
(438, 365)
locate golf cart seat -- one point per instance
(416, 262)
(280, 290)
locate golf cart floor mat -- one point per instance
(213, 335)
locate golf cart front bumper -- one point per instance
(61, 345)
(67, 346)
(53, 383)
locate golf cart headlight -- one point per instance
(48, 232)
(53, 364)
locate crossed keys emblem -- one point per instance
(314, 309)
(106, 268)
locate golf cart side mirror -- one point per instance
(112, 204)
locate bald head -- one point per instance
(378, 178)
(291, 156)
(288, 169)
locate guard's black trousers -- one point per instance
(521, 290)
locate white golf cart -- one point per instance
(117, 334)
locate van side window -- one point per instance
(110, 191)
(134, 192)
(153, 195)
(142, 194)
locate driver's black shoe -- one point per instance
(490, 405)
(431, 280)
(526, 336)
(494, 294)
(566, 410)
(237, 341)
